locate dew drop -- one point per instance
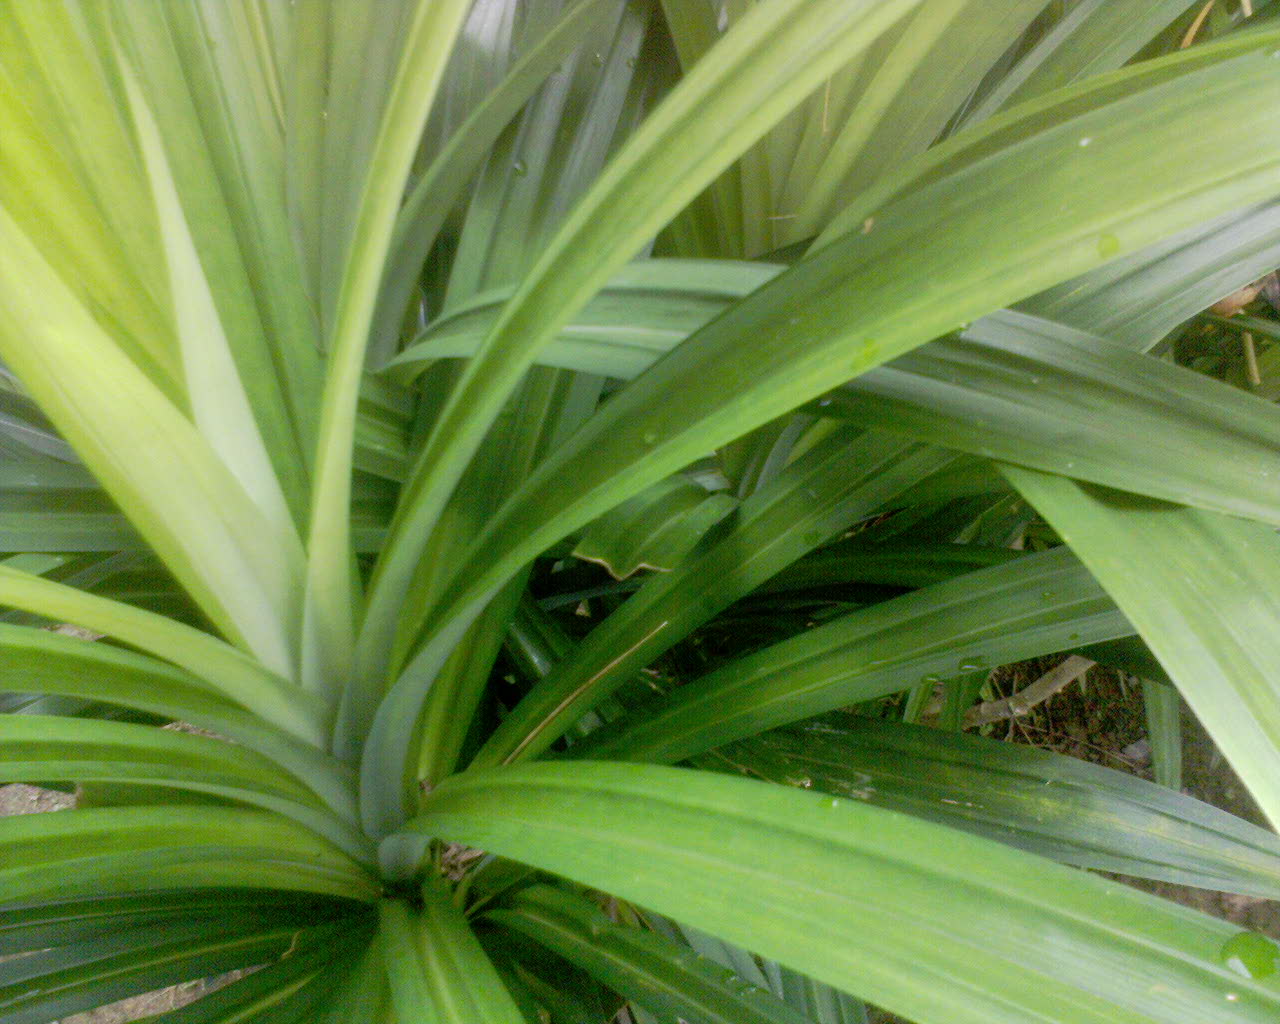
(1250, 955)
(1047, 595)
(649, 437)
(1085, 141)
(520, 168)
(597, 59)
(1108, 245)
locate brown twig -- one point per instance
(1194, 30)
(1042, 689)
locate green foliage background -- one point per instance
(343, 340)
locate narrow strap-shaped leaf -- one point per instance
(912, 93)
(647, 308)
(218, 666)
(363, 996)
(851, 895)
(132, 963)
(766, 63)
(40, 748)
(1056, 806)
(219, 404)
(1036, 605)
(295, 989)
(1094, 36)
(667, 979)
(887, 564)
(329, 618)
(216, 147)
(1038, 394)
(1163, 709)
(833, 315)
(66, 922)
(37, 661)
(436, 966)
(1011, 385)
(175, 489)
(1203, 591)
(439, 187)
(1138, 299)
(120, 850)
(846, 476)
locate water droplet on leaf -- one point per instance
(1250, 955)
(520, 169)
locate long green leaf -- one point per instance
(329, 622)
(232, 560)
(436, 966)
(39, 748)
(765, 65)
(844, 310)
(809, 502)
(220, 667)
(1035, 605)
(1203, 591)
(36, 661)
(853, 895)
(1056, 806)
(62, 982)
(664, 978)
(1013, 386)
(437, 189)
(103, 851)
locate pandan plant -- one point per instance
(520, 471)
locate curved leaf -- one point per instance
(851, 895)
(1035, 605)
(1059, 807)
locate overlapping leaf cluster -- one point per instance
(341, 342)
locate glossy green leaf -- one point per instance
(814, 498)
(437, 189)
(1200, 589)
(668, 980)
(217, 665)
(436, 966)
(57, 982)
(329, 622)
(36, 661)
(1036, 605)
(113, 850)
(818, 323)
(1032, 392)
(1163, 709)
(38, 748)
(849, 894)
(1059, 807)
(1094, 36)
(37, 926)
(654, 530)
(228, 556)
(766, 64)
